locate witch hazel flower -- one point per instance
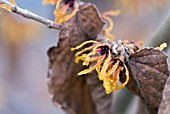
(110, 58)
(61, 10)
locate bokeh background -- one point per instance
(24, 43)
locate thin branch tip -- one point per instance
(29, 15)
(14, 9)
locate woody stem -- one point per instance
(29, 15)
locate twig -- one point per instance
(27, 14)
(161, 35)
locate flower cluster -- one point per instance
(110, 61)
(61, 12)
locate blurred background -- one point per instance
(24, 43)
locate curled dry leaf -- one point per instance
(149, 72)
(102, 101)
(142, 108)
(70, 92)
(164, 107)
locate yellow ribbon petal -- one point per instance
(98, 68)
(114, 67)
(93, 52)
(116, 78)
(84, 50)
(99, 61)
(105, 66)
(161, 47)
(127, 79)
(108, 29)
(107, 85)
(82, 58)
(112, 13)
(84, 43)
(110, 22)
(61, 15)
(67, 17)
(53, 2)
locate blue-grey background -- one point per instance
(23, 65)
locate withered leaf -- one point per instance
(102, 101)
(164, 107)
(148, 74)
(142, 108)
(69, 91)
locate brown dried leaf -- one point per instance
(149, 72)
(142, 108)
(102, 101)
(164, 107)
(70, 92)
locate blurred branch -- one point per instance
(29, 15)
(161, 35)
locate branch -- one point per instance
(161, 35)
(27, 14)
